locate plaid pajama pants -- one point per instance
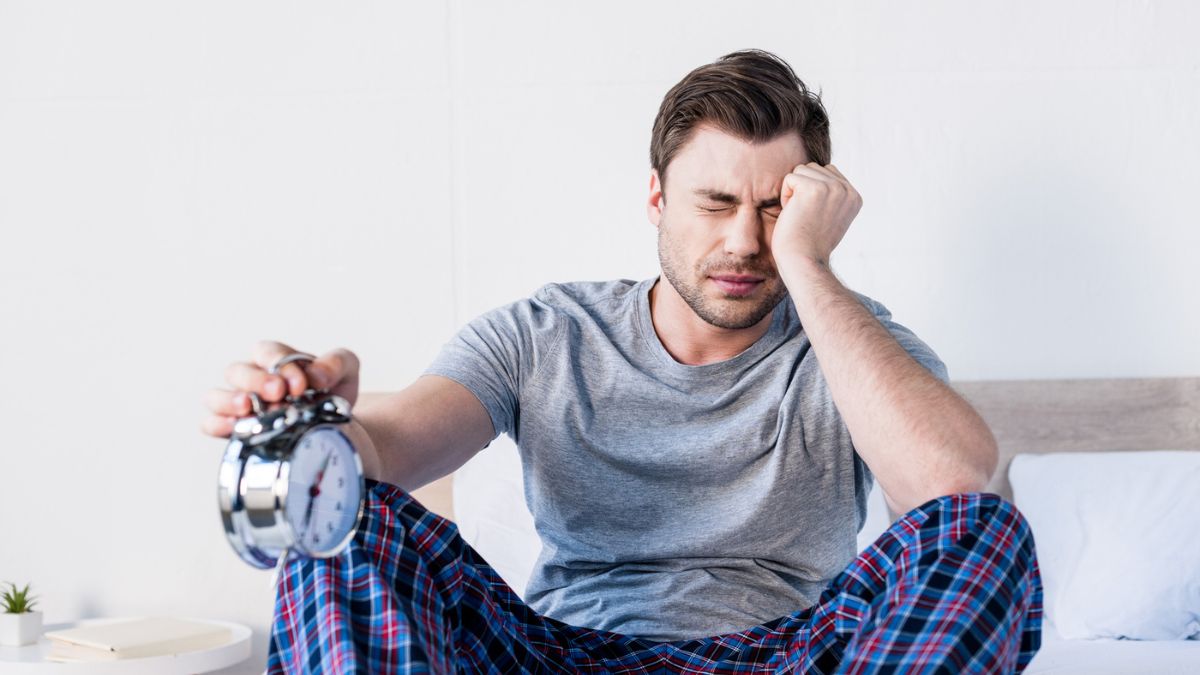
(951, 587)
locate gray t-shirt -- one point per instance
(673, 501)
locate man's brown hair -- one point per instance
(752, 94)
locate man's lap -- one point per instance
(410, 595)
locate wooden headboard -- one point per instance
(1039, 416)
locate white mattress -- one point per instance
(1114, 657)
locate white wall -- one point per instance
(179, 180)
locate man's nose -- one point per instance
(744, 233)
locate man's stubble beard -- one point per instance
(733, 313)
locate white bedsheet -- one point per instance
(1114, 657)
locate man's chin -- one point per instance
(735, 313)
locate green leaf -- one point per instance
(17, 601)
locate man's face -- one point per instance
(715, 216)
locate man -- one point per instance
(697, 450)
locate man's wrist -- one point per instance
(368, 452)
(808, 279)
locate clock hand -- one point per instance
(308, 511)
(315, 488)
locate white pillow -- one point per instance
(1118, 540)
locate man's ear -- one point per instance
(655, 205)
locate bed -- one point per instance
(1027, 416)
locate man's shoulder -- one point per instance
(876, 307)
(914, 345)
(570, 294)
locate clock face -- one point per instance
(324, 490)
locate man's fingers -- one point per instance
(227, 402)
(817, 172)
(297, 379)
(788, 189)
(801, 176)
(268, 352)
(820, 178)
(845, 181)
(333, 366)
(828, 174)
(250, 377)
(337, 368)
(217, 425)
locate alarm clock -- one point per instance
(291, 483)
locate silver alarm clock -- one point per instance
(291, 483)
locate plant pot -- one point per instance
(17, 630)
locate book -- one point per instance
(134, 638)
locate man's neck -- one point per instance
(691, 340)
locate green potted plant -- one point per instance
(19, 623)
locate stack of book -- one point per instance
(134, 638)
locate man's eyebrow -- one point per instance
(726, 198)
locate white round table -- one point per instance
(31, 659)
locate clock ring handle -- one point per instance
(255, 401)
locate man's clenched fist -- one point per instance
(818, 204)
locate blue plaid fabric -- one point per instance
(951, 587)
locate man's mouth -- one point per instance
(737, 284)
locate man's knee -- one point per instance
(981, 515)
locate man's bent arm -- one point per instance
(920, 439)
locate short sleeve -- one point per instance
(912, 344)
(495, 353)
